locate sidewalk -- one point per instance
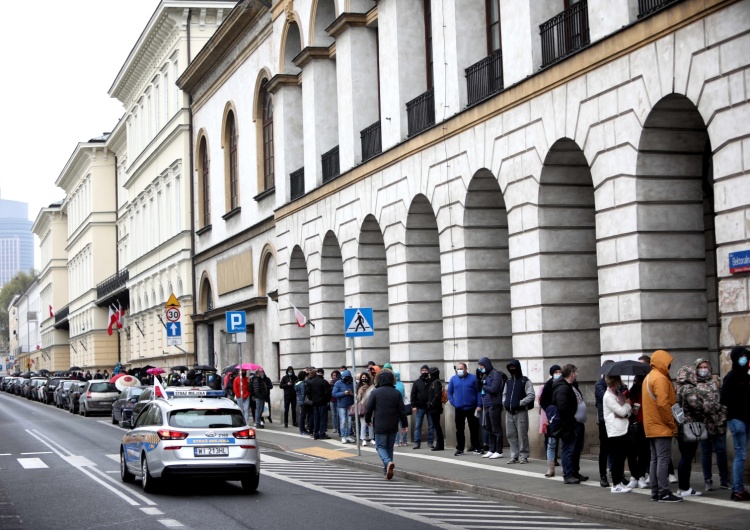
(526, 483)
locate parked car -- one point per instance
(74, 394)
(61, 393)
(49, 389)
(32, 391)
(4, 383)
(122, 409)
(143, 400)
(201, 433)
(97, 396)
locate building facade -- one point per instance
(16, 240)
(26, 338)
(546, 180)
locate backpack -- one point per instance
(444, 396)
(555, 423)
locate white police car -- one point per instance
(193, 432)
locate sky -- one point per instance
(59, 59)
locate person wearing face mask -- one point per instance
(343, 391)
(600, 389)
(708, 387)
(290, 396)
(364, 389)
(571, 409)
(518, 398)
(493, 385)
(694, 410)
(463, 396)
(418, 399)
(735, 396)
(545, 400)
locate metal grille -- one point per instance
(372, 144)
(485, 77)
(110, 285)
(565, 33)
(297, 183)
(646, 7)
(420, 112)
(331, 166)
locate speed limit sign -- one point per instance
(173, 314)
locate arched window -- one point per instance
(268, 168)
(205, 187)
(231, 144)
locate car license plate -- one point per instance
(211, 451)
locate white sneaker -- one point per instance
(647, 479)
(642, 484)
(488, 454)
(688, 493)
(496, 455)
(343, 440)
(349, 439)
(633, 483)
(620, 488)
(672, 479)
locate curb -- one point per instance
(585, 510)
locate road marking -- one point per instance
(263, 458)
(6, 454)
(115, 457)
(78, 461)
(38, 453)
(32, 463)
(152, 511)
(110, 424)
(171, 523)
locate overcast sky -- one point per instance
(58, 60)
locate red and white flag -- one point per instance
(112, 318)
(51, 313)
(120, 315)
(300, 317)
(158, 389)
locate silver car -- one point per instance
(97, 397)
(192, 432)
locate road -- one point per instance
(56, 467)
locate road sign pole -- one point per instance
(356, 406)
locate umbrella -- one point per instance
(125, 381)
(74, 369)
(228, 369)
(249, 366)
(179, 368)
(44, 371)
(625, 368)
(155, 371)
(114, 378)
(204, 368)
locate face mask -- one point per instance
(347, 379)
(556, 376)
(460, 373)
(290, 373)
(363, 381)
(424, 376)
(482, 370)
(703, 372)
(743, 361)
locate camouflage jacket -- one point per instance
(699, 398)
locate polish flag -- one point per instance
(120, 314)
(112, 320)
(51, 313)
(158, 389)
(300, 318)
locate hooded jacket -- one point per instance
(385, 406)
(462, 392)
(518, 394)
(318, 390)
(344, 401)
(658, 397)
(545, 398)
(287, 383)
(735, 392)
(699, 398)
(262, 387)
(418, 396)
(435, 392)
(564, 398)
(399, 385)
(494, 383)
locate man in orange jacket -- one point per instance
(241, 387)
(658, 396)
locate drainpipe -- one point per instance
(117, 254)
(192, 194)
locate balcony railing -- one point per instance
(485, 78)
(62, 314)
(565, 33)
(112, 284)
(297, 183)
(331, 166)
(372, 145)
(646, 7)
(420, 112)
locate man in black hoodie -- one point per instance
(290, 397)
(387, 405)
(418, 399)
(493, 383)
(518, 397)
(735, 396)
(571, 410)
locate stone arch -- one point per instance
(291, 45)
(372, 286)
(267, 257)
(327, 305)
(482, 316)
(206, 297)
(323, 15)
(299, 296)
(567, 314)
(676, 241)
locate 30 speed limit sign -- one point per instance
(173, 314)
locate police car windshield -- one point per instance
(206, 418)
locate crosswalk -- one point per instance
(443, 508)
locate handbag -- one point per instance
(351, 410)
(694, 431)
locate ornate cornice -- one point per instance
(280, 80)
(310, 54)
(346, 21)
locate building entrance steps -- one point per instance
(527, 484)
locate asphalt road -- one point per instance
(60, 470)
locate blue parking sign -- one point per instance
(236, 322)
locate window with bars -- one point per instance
(268, 164)
(233, 182)
(205, 184)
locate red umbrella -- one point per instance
(116, 377)
(249, 366)
(125, 381)
(155, 371)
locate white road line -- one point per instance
(263, 459)
(32, 463)
(152, 511)
(115, 457)
(171, 523)
(110, 424)
(38, 453)
(6, 454)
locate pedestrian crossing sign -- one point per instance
(358, 322)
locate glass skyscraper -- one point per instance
(16, 240)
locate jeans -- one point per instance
(439, 439)
(517, 433)
(717, 443)
(740, 436)
(462, 417)
(320, 415)
(345, 422)
(335, 416)
(661, 456)
(495, 416)
(260, 405)
(421, 413)
(384, 447)
(687, 453)
(303, 412)
(290, 402)
(403, 435)
(572, 445)
(363, 433)
(244, 405)
(551, 448)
